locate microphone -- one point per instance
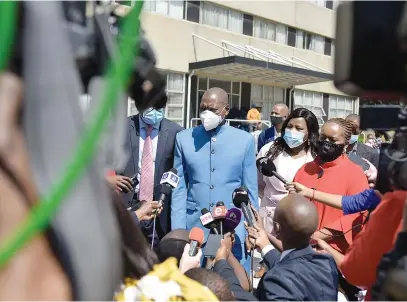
(168, 181)
(208, 221)
(219, 213)
(232, 220)
(196, 238)
(241, 201)
(268, 168)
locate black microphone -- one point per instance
(168, 181)
(219, 214)
(268, 168)
(241, 201)
(208, 221)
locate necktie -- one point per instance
(147, 173)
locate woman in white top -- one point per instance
(296, 147)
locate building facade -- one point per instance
(259, 52)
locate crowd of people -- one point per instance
(321, 232)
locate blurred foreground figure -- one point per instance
(34, 273)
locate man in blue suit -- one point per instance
(298, 273)
(212, 160)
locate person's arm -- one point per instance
(376, 239)
(240, 272)
(338, 256)
(179, 194)
(279, 288)
(249, 179)
(368, 199)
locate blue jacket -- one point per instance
(266, 136)
(211, 165)
(302, 275)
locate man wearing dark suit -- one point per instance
(298, 273)
(150, 142)
(361, 150)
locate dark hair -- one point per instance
(173, 244)
(280, 145)
(213, 281)
(138, 258)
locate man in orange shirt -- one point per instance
(254, 115)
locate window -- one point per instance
(266, 97)
(299, 43)
(319, 44)
(247, 25)
(291, 36)
(329, 4)
(221, 17)
(307, 41)
(192, 11)
(172, 8)
(340, 106)
(328, 43)
(281, 33)
(231, 88)
(175, 93)
(313, 101)
(263, 29)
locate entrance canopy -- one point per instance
(249, 70)
(246, 63)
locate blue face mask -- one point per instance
(152, 116)
(293, 138)
(353, 139)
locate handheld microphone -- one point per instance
(219, 213)
(208, 221)
(232, 220)
(168, 181)
(196, 238)
(241, 201)
(268, 168)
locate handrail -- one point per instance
(212, 43)
(305, 62)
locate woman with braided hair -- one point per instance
(332, 172)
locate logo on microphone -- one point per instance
(206, 218)
(219, 211)
(170, 178)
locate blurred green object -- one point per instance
(8, 21)
(117, 80)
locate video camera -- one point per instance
(370, 59)
(370, 62)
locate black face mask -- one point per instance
(276, 120)
(329, 151)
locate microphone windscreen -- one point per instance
(232, 220)
(204, 211)
(220, 203)
(173, 170)
(240, 196)
(266, 166)
(197, 235)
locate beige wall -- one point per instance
(173, 43)
(299, 14)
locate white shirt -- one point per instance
(154, 138)
(271, 190)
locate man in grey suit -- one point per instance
(150, 142)
(359, 149)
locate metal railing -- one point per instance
(194, 122)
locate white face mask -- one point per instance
(210, 120)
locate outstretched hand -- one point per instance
(189, 262)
